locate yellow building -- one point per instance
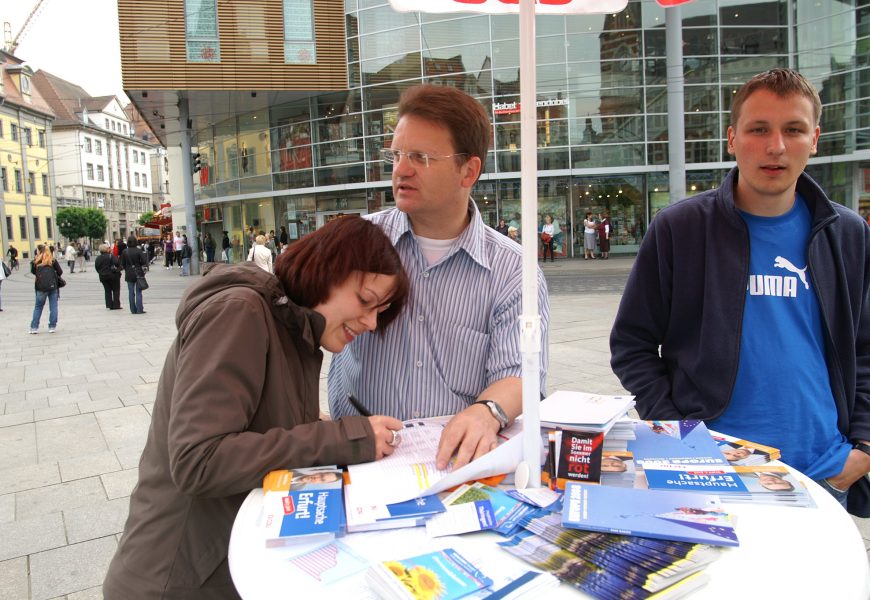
(26, 192)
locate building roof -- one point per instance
(12, 95)
(65, 98)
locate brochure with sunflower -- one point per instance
(441, 575)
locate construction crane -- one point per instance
(12, 42)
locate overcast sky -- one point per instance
(75, 40)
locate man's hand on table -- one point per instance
(857, 465)
(470, 434)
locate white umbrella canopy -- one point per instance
(529, 472)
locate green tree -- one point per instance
(74, 222)
(95, 223)
(146, 217)
(71, 222)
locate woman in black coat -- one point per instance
(108, 267)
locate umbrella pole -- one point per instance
(530, 321)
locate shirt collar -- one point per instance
(472, 239)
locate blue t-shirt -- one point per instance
(782, 396)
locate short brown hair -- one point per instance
(310, 268)
(462, 115)
(783, 83)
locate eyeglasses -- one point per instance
(418, 159)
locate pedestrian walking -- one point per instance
(225, 247)
(186, 253)
(209, 245)
(3, 270)
(108, 267)
(70, 258)
(13, 257)
(46, 283)
(260, 254)
(133, 262)
(168, 252)
(80, 257)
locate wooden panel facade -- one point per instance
(251, 37)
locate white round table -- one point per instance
(784, 552)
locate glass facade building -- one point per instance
(602, 136)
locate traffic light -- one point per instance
(196, 162)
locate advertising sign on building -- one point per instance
(542, 7)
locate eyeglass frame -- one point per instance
(414, 156)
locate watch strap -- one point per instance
(865, 448)
(496, 411)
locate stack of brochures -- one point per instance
(765, 484)
(302, 505)
(612, 566)
(582, 411)
(744, 453)
(618, 469)
(443, 574)
(685, 456)
(678, 516)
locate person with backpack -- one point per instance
(133, 262)
(47, 272)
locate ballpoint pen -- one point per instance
(358, 406)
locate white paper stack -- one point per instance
(583, 412)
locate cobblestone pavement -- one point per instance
(75, 409)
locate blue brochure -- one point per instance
(686, 442)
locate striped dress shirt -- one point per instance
(458, 333)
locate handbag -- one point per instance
(546, 237)
(6, 270)
(142, 282)
(60, 281)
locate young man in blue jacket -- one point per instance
(749, 306)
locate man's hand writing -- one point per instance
(469, 435)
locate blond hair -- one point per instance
(45, 257)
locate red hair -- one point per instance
(310, 268)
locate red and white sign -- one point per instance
(667, 3)
(542, 7)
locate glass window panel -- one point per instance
(505, 53)
(699, 42)
(328, 105)
(752, 12)
(656, 99)
(390, 70)
(250, 185)
(621, 73)
(299, 41)
(455, 31)
(654, 42)
(701, 126)
(293, 180)
(389, 43)
(340, 175)
(583, 47)
(471, 59)
(655, 71)
(700, 152)
(602, 155)
(203, 51)
(584, 23)
(700, 98)
(550, 49)
(753, 41)
(694, 14)
(505, 27)
(551, 78)
(740, 70)
(201, 18)
(700, 70)
(657, 127)
(505, 82)
(606, 102)
(383, 18)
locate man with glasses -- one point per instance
(455, 350)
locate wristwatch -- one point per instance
(496, 412)
(865, 448)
